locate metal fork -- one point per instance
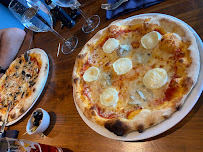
(113, 6)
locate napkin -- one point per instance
(129, 6)
(10, 133)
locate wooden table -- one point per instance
(67, 129)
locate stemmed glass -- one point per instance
(34, 15)
(91, 22)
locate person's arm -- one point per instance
(10, 42)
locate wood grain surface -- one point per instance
(67, 129)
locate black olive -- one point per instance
(20, 61)
(35, 114)
(28, 75)
(22, 94)
(23, 72)
(14, 98)
(39, 116)
(36, 123)
(31, 83)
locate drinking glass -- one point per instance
(34, 15)
(21, 145)
(91, 22)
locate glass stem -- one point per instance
(83, 15)
(61, 37)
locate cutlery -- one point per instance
(5, 120)
(26, 54)
(113, 6)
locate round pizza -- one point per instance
(22, 83)
(136, 72)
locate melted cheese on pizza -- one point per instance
(17, 84)
(169, 53)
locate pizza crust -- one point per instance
(146, 118)
(23, 105)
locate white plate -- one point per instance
(21, 116)
(166, 124)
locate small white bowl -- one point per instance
(43, 124)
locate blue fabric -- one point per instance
(7, 20)
(129, 6)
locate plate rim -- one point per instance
(35, 100)
(182, 112)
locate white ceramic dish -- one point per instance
(44, 123)
(16, 120)
(167, 124)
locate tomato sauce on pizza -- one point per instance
(135, 73)
(22, 83)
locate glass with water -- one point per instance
(34, 15)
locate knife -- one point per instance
(5, 120)
(26, 54)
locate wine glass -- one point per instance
(34, 15)
(91, 22)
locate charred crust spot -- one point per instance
(75, 80)
(117, 127)
(135, 44)
(140, 128)
(178, 107)
(93, 113)
(22, 110)
(180, 60)
(153, 66)
(27, 94)
(34, 90)
(151, 124)
(93, 108)
(46, 67)
(161, 66)
(107, 64)
(13, 116)
(165, 116)
(187, 83)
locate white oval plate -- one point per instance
(21, 116)
(166, 124)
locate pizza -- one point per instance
(22, 83)
(136, 73)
